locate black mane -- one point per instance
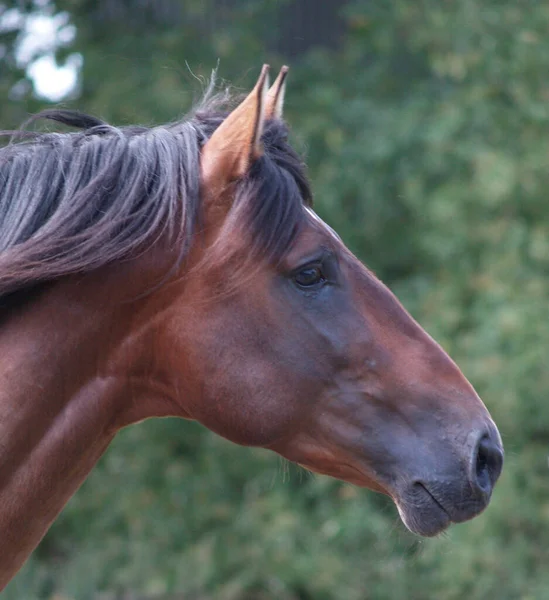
(73, 202)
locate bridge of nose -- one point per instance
(417, 376)
(416, 357)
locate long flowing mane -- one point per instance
(73, 202)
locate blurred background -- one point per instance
(425, 125)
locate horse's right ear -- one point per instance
(235, 144)
(275, 96)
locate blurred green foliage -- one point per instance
(426, 130)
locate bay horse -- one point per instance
(181, 271)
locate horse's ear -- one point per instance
(275, 96)
(236, 143)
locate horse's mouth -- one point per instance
(422, 513)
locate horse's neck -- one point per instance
(61, 404)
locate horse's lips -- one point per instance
(423, 514)
(426, 517)
(420, 510)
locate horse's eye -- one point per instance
(309, 277)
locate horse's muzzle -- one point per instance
(429, 504)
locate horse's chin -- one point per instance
(418, 509)
(424, 516)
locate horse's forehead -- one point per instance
(322, 225)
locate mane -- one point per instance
(73, 202)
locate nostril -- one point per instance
(482, 473)
(488, 463)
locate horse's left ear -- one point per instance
(275, 96)
(236, 143)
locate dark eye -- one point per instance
(309, 277)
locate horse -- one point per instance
(180, 270)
